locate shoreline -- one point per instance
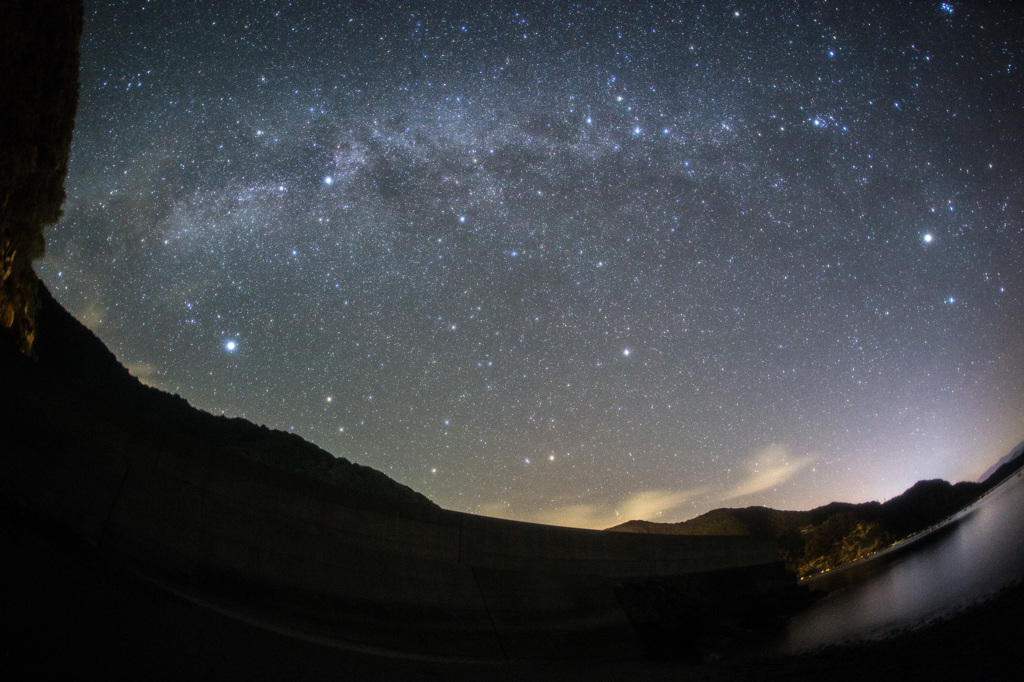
(902, 545)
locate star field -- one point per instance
(564, 262)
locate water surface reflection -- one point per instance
(975, 555)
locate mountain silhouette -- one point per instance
(838, 533)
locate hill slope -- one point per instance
(1005, 461)
(837, 533)
(73, 367)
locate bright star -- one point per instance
(328, 180)
(230, 346)
(928, 237)
(625, 352)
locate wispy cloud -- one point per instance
(769, 468)
(646, 504)
(144, 372)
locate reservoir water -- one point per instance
(971, 557)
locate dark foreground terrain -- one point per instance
(67, 610)
(70, 609)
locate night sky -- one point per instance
(567, 262)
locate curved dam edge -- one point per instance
(311, 558)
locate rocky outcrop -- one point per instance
(39, 90)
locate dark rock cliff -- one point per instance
(39, 90)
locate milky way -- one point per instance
(562, 262)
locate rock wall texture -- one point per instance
(39, 91)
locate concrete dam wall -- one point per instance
(300, 556)
(352, 568)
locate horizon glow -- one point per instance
(566, 264)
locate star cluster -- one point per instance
(560, 261)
